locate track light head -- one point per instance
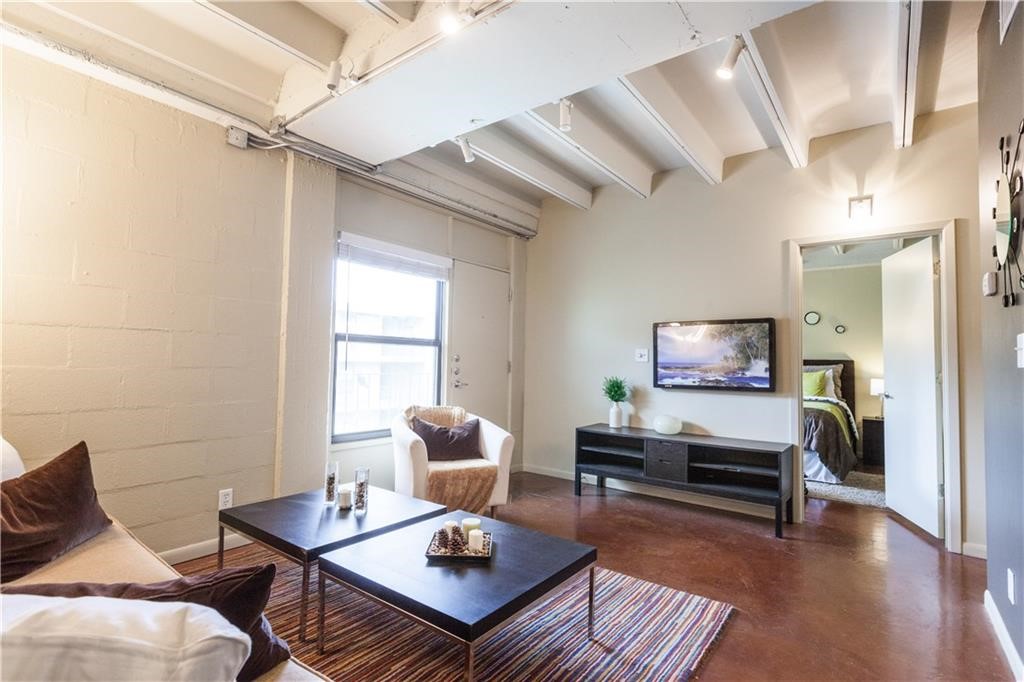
(467, 151)
(725, 71)
(564, 115)
(334, 76)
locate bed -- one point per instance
(830, 429)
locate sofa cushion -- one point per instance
(238, 594)
(446, 444)
(47, 511)
(98, 638)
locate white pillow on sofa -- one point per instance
(11, 465)
(101, 638)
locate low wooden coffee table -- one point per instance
(301, 527)
(466, 602)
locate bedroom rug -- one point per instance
(859, 488)
(643, 631)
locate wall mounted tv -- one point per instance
(715, 355)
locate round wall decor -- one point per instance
(812, 317)
(840, 329)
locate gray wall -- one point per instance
(1000, 108)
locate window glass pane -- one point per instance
(376, 381)
(384, 303)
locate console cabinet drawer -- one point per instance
(666, 460)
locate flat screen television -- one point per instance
(715, 355)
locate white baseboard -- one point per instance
(1012, 655)
(204, 548)
(664, 493)
(975, 549)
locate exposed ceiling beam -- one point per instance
(290, 26)
(908, 47)
(394, 11)
(663, 106)
(767, 76)
(443, 170)
(512, 157)
(596, 145)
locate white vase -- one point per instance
(667, 424)
(615, 416)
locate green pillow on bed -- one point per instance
(814, 383)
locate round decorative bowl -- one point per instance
(667, 424)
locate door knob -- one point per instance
(887, 396)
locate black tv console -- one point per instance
(751, 471)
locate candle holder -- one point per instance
(331, 482)
(362, 489)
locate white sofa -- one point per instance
(411, 463)
(117, 556)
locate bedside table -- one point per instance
(872, 435)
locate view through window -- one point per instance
(387, 346)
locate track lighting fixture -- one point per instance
(729, 63)
(467, 151)
(564, 115)
(335, 76)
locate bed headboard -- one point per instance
(846, 378)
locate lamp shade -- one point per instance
(877, 387)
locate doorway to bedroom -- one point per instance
(872, 398)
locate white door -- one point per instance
(913, 454)
(478, 349)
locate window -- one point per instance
(389, 313)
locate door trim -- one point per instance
(949, 359)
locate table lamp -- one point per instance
(877, 388)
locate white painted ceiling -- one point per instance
(832, 67)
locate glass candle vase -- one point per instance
(331, 482)
(361, 491)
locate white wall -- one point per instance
(597, 279)
(852, 297)
(141, 298)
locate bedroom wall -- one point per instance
(597, 279)
(851, 296)
(141, 298)
(1000, 110)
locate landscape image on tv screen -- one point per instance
(729, 355)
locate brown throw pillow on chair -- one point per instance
(238, 594)
(46, 512)
(447, 444)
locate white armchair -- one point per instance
(412, 466)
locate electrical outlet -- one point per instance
(1011, 586)
(225, 498)
(640, 355)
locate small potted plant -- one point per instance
(616, 390)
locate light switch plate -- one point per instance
(989, 285)
(1011, 586)
(1020, 351)
(641, 355)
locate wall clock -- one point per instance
(1007, 215)
(840, 329)
(812, 317)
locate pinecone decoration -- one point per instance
(457, 542)
(441, 540)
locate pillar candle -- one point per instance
(449, 525)
(344, 498)
(470, 524)
(476, 540)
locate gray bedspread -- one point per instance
(824, 434)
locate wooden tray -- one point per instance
(434, 552)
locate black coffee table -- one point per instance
(301, 527)
(465, 602)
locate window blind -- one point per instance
(378, 254)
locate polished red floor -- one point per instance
(852, 594)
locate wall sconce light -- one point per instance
(862, 207)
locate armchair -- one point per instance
(412, 468)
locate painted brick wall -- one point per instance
(142, 268)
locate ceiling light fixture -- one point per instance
(467, 151)
(451, 22)
(861, 208)
(564, 115)
(335, 76)
(729, 63)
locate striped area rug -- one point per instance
(643, 632)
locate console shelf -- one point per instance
(751, 471)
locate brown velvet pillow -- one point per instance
(238, 594)
(46, 512)
(447, 444)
